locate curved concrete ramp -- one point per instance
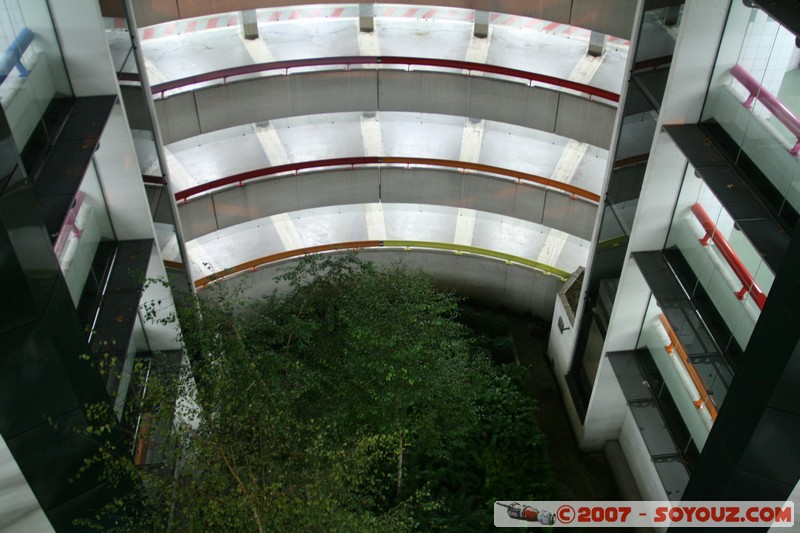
(491, 281)
(263, 240)
(480, 192)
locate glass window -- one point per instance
(33, 79)
(86, 225)
(755, 99)
(727, 266)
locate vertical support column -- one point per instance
(597, 43)
(249, 24)
(481, 25)
(366, 18)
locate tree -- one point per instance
(299, 410)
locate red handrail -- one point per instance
(748, 283)
(351, 162)
(770, 101)
(223, 74)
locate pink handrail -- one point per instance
(748, 283)
(770, 101)
(351, 162)
(224, 74)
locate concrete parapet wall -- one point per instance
(267, 98)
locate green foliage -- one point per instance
(505, 454)
(356, 402)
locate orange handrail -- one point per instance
(288, 254)
(676, 345)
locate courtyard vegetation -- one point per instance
(361, 399)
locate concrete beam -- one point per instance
(249, 24)
(597, 43)
(481, 25)
(366, 18)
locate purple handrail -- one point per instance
(223, 74)
(770, 101)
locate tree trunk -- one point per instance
(400, 466)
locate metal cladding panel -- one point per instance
(571, 215)
(150, 12)
(424, 92)
(555, 11)
(270, 97)
(615, 18)
(513, 103)
(243, 102)
(197, 217)
(339, 187)
(256, 200)
(197, 8)
(455, 94)
(340, 90)
(420, 186)
(585, 120)
(112, 8)
(529, 203)
(493, 196)
(177, 117)
(32, 379)
(51, 453)
(470, 191)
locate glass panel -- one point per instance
(721, 257)
(137, 344)
(756, 99)
(33, 79)
(676, 375)
(87, 225)
(120, 45)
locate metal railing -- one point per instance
(703, 400)
(770, 101)
(351, 162)
(349, 61)
(728, 253)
